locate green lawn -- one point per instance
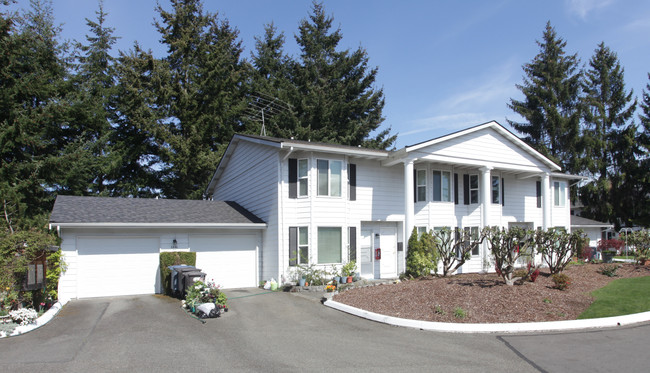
(620, 297)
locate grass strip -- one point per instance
(620, 297)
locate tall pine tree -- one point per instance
(610, 140)
(333, 98)
(90, 164)
(33, 112)
(202, 98)
(551, 104)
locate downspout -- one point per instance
(281, 237)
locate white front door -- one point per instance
(388, 244)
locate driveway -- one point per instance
(284, 332)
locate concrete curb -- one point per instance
(547, 326)
(44, 319)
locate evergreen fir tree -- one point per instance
(336, 100)
(610, 139)
(33, 67)
(551, 105)
(202, 98)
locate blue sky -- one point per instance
(443, 65)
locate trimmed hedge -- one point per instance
(173, 258)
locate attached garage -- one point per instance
(228, 260)
(109, 266)
(111, 246)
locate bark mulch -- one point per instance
(485, 298)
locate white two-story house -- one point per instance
(326, 204)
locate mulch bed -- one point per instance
(485, 298)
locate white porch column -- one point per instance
(486, 198)
(546, 200)
(409, 207)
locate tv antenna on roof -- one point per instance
(263, 106)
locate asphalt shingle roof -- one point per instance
(74, 209)
(580, 221)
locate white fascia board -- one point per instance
(361, 152)
(497, 127)
(162, 225)
(559, 175)
(592, 226)
(470, 162)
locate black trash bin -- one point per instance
(175, 279)
(189, 277)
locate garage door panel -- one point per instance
(228, 260)
(117, 266)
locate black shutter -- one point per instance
(352, 175)
(466, 189)
(352, 231)
(456, 189)
(293, 178)
(503, 192)
(539, 194)
(293, 246)
(415, 185)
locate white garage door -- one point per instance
(109, 266)
(229, 260)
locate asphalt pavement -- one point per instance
(283, 332)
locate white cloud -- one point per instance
(583, 7)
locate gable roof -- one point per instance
(148, 212)
(398, 155)
(580, 222)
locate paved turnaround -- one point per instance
(280, 332)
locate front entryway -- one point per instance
(378, 250)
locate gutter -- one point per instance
(162, 225)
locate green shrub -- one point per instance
(561, 281)
(460, 313)
(173, 258)
(422, 255)
(609, 270)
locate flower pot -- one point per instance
(301, 282)
(342, 280)
(608, 256)
(349, 279)
(337, 279)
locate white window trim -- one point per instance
(329, 178)
(559, 198)
(318, 246)
(418, 186)
(299, 256)
(477, 189)
(498, 190)
(450, 184)
(305, 177)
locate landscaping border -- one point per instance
(502, 328)
(44, 319)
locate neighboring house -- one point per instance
(111, 246)
(327, 204)
(594, 230)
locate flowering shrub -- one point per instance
(610, 245)
(330, 288)
(561, 281)
(24, 316)
(201, 292)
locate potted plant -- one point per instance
(348, 270)
(609, 248)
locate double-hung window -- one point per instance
(329, 245)
(303, 179)
(298, 245)
(441, 186)
(421, 185)
(473, 189)
(329, 177)
(496, 192)
(472, 233)
(559, 193)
